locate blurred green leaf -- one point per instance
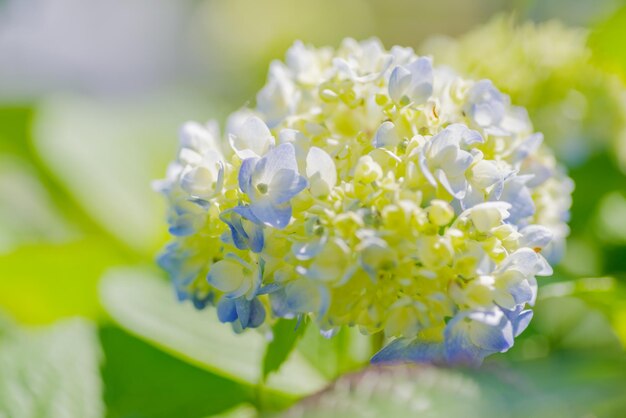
(610, 219)
(107, 153)
(14, 125)
(285, 333)
(346, 351)
(590, 190)
(590, 312)
(568, 385)
(399, 391)
(569, 322)
(51, 372)
(41, 283)
(607, 42)
(242, 411)
(27, 211)
(143, 381)
(146, 306)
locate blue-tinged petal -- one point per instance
(237, 233)
(304, 296)
(518, 195)
(276, 216)
(527, 262)
(399, 81)
(522, 292)
(458, 347)
(486, 106)
(519, 319)
(521, 322)
(284, 185)
(278, 302)
(246, 171)
(405, 350)
(491, 331)
(226, 311)
(183, 266)
(246, 231)
(184, 225)
(201, 301)
(243, 308)
(466, 136)
(535, 236)
(269, 288)
(308, 249)
(257, 313)
(282, 157)
(256, 238)
(472, 335)
(421, 86)
(246, 213)
(527, 147)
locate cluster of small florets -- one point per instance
(371, 189)
(547, 67)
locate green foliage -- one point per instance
(399, 391)
(41, 376)
(346, 351)
(143, 381)
(106, 157)
(607, 43)
(41, 283)
(564, 385)
(145, 306)
(14, 125)
(285, 335)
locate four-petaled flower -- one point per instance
(443, 161)
(270, 182)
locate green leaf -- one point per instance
(559, 386)
(145, 305)
(28, 214)
(285, 334)
(347, 351)
(44, 282)
(14, 125)
(399, 391)
(607, 43)
(107, 154)
(51, 372)
(141, 380)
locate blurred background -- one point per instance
(92, 93)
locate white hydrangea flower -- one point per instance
(370, 188)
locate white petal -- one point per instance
(398, 83)
(226, 275)
(321, 167)
(251, 139)
(386, 135)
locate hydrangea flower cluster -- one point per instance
(369, 188)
